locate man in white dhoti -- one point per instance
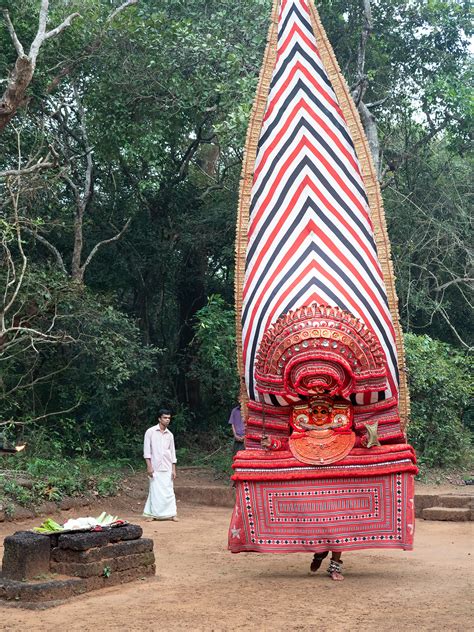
(160, 456)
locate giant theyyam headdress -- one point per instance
(315, 296)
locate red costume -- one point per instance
(321, 345)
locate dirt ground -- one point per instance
(200, 586)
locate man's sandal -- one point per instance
(335, 571)
(317, 561)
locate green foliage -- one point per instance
(56, 477)
(440, 380)
(103, 345)
(167, 89)
(215, 360)
(108, 485)
(219, 460)
(18, 493)
(431, 231)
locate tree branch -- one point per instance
(456, 281)
(87, 190)
(42, 34)
(192, 149)
(49, 246)
(119, 9)
(59, 29)
(20, 78)
(361, 52)
(58, 412)
(359, 89)
(404, 156)
(444, 314)
(94, 250)
(39, 166)
(11, 29)
(14, 196)
(370, 127)
(91, 48)
(82, 197)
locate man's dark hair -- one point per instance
(163, 411)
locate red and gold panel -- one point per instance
(307, 515)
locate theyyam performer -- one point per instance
(326, 467)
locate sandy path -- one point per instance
(200, 586)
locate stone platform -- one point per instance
(40, 570)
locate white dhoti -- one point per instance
(161, 501)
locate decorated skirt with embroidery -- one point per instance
(313, 515)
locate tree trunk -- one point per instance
(14, 95)
(370, 128)
(77, 272)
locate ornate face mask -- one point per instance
(322, 412)
(323, 430)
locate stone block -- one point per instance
(423, 501)
(127, 532)
(74, 502)
(50, 592)
(26, 555)
(119, 549)
(40, 592)
(120, 577)
(96, 569)
(130, 561)
(66, 503)
(458, 514)
(83, 541)
(454, 500)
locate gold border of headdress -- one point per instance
(246, 181)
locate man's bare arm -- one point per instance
(149, 467)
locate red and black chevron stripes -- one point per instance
(310, 231)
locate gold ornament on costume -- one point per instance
(372, 438)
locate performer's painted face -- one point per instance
(321, 414)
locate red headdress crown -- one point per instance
(319, 350)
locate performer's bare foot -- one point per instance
(317, 561)
(335, 570)
(175, 519)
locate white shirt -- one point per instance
(159, 447)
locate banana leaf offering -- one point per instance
(88, 523)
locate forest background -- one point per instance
(122, 129)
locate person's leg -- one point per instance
(335, 567)
(318, 560)
(238, 445)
